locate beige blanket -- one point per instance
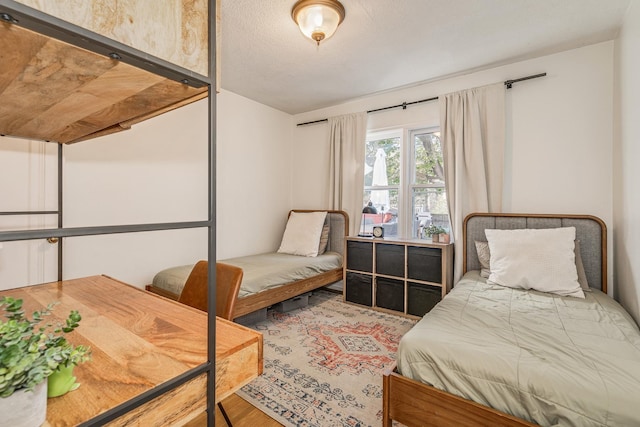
(261, 272)
(555, 361)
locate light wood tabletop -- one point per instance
(139, 341)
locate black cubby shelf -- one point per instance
(400, 276)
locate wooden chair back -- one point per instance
(228, 280)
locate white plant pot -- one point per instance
(25, 408)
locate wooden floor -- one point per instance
(241, 414)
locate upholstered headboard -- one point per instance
(338, 228)
(590, 231)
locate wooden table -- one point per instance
(140, 340)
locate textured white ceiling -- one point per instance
(386, 44)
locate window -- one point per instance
(404, 182)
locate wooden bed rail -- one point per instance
(417, 404)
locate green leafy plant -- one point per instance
(433, 230)
(32, 349)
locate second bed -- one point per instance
(272, 277)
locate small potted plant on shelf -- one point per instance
(31, 350)
(444, 236)
(433, 231)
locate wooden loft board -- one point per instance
(173, 30)
(53, 91)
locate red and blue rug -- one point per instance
(323, 363)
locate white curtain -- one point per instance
(472, 126)
(347, 136)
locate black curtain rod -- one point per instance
(404, 105)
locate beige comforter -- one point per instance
(555, 361)
(261, 272)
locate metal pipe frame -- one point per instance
(211, 337)
(60, 205)
(19, 14)
(18, 213)
(8, 236)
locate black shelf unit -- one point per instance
(400, 276)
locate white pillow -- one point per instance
(540, 259)
(484, 256)
(302, 235)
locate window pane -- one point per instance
(381, 180)
(427, 151)
(382, 162)
(403, 182)
(429, 207)
(386, 216)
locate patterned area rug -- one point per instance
(323, 363)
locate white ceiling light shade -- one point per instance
(318, 19)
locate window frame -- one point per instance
(407, 171)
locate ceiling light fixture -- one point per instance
(318, 19)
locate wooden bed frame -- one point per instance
(417, 404)
(267, 298)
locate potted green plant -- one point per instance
(30, 351)
(433, 231)
(445, 237)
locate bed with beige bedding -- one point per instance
(492, 354)
(272, 277)
(261, 271)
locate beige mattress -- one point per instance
(261, 272)
(551, 360)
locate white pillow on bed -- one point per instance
(302, 234)
(484, 256)
(539, 259)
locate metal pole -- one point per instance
(211, 337)
(60, 240)
(404, 105)
(9, 236)
(18, 213)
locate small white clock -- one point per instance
(378, 231)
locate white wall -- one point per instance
(626, 178)
(559, 142)
(28, 175)
(156, 172)
(254, 176)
